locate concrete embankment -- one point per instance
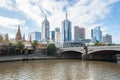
(23, 58)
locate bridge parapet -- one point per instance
(90, 49)
(100, 48)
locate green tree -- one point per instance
(97, 43)
(20, 47)
(35, 44)
(51, 49)
(1, 38)
(11, 49)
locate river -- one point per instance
(59, 70)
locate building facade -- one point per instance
(107, 39)
(45, 30)
(66, 30)
(35, 36)
(18, 35)
(96, 34)
(79, 33)
(57, 35)
(52, 35)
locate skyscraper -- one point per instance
(52, 35)
(23, 39)
(79, 33)
(6, 37)
(18, 35)
(96, 34)
(107, 39)
(45, 30)
(57, 35)
(35, 36)
(66, 30)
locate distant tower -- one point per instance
(23, 37)
(6, 37)
(30, 39)
(18, 35)
(45, 30)
(66, 30)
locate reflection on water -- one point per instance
(59, 70)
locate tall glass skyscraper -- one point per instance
(66, 30)
(45, 30)
(96, 34)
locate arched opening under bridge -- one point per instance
(71, 54)
(104, 55)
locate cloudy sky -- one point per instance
(84, 13)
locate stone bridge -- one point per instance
(92, 52)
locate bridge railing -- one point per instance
(97, 48)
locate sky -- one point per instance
(29, 14)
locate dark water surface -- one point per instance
(59, 70)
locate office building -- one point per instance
(107, 39)
(96, 34)
(34, 36)
(66, 30)
(57, 35)
(45, 30)
(79, 33)
(52, 35)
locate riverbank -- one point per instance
(24, 58)
(33, 57)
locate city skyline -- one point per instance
(88, 14)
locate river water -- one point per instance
(59, 70)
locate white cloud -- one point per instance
(83, 13)
(11, 36)
(10, 22)
(7, 4)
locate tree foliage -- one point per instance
(51, 49)
(20, 45)
(1, 38)
(97, 43)
(34, 44)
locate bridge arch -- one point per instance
(105, 55)
(71, 54)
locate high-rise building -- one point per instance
(23, 37)
(6, 37)
(45, 30)
(18, 35)
(66, 30)
(57, 35)
(52, 35)
(96, 34)
(79, 33)
(34, 36)
(107, 39)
